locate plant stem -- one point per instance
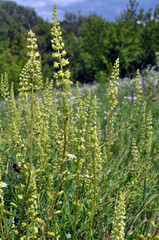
(61, 170)
(77, 192)
(94, 197)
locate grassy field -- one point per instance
(78, 162)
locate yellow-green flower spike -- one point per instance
(62, 77)
(118, 231)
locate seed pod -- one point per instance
(13, 205)
(57, 212)
(51, 234)
(10, 214)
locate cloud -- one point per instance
(37, 4)
(108, 9)
(64, 3)
(40, 4)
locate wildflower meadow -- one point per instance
(74, 163)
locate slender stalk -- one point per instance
(30, 168)
(94, 197)
(77, 192)
(1, 226)
(52, 205)
(27, 229)
(22, 209)
(61, 170)
(55, 227)
(47, 166)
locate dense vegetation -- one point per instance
(78, 166)
(92, 43)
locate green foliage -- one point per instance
(127, 46)
(42, 30)
(94, 49)
(12, 54)
(15, 20)
(74, 50)
(73, 23)
(21, 16)
(131, 12)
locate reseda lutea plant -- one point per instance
(59, 173)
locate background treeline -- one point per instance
(93, 43)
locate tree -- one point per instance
(12, 54)
(149, 36)
(94, 46)
(14, 22)
(42, 30)
(131, 12)
(127, 46)
(22, 16)
(73, 45)
(73, 23)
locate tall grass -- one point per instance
(74, 166)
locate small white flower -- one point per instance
(3, 184)
(87, 176)
(71, 157)
(126, 97)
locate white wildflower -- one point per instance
(71, 157)
(87, 176)
(3, 184)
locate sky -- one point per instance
(108, 9)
